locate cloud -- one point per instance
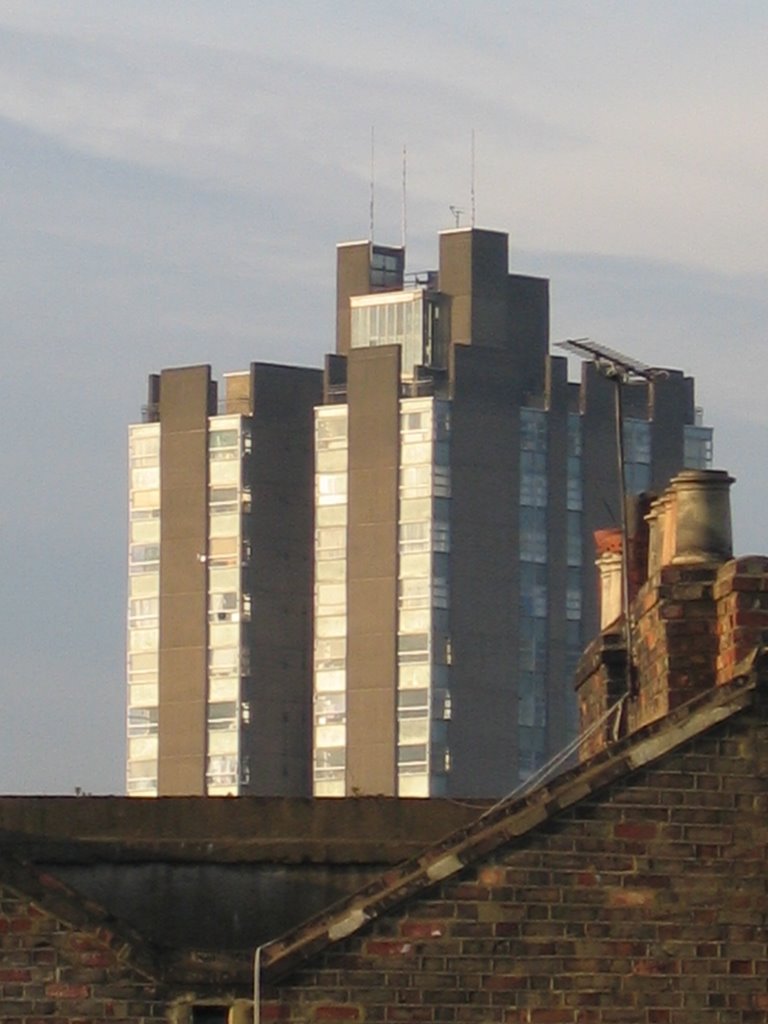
(175, 177)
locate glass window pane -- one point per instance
(223, 688)
(331, 625)
(224, 525)
(330, 682)
(224, 472)
(330, 735)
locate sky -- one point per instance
(175, 175)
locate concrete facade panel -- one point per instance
(374, 438)
(184, 408)
(484, 573)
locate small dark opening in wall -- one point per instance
(210, 1014)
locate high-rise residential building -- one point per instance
(220, 584)
(460, 477)
(444, 513)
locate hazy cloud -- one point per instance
(175, 177)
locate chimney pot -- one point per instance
(701, 517)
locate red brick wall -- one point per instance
(742, 611)
(648, 906)
(694, 625)
(51, 973)
(675, 640)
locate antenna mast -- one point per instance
(621, 370)
(472, 180)
(373, 165)
(405, 197)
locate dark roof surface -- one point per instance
(359, 830)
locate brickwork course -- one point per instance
(631, 888)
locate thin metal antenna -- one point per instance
(472, 180)
(621, 370)
(405, 197)
(373, 179)
(456, 212)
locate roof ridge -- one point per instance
(510, 819)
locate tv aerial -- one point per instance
(456, 213)
(621, 370)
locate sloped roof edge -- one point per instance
(55, 898)
(512, 819)
(174, 967)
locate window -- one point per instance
(637, 454)
(225, 473)
(533, 430)
(222, 715)
(227, 525)
(330, 653)
(217, 1014)
(698, 447)
(574, 492)
(573, 538)
(145, 531)
(332, 515)
(573, 594)
(533, 647)
(227, 496)
(144, 446)
(415, 620)
(412, 753)
(413, 730)
(331, 735)
(412, 703)
(409, 643)
(223, 439)
(415, 509)
(223, 607)
(331, 431)
(332, 461)
(331, 541)
(142, 722)
(145, 479)
(531, 701)
(331, 626)
(331, 595)
(145, 553)
(143, 608)
(533, 534)
(330, 758)
(222, 771)
(331, 488)
(330, 708)
(416, 454)
(144, 639)
(533, 590)
(414, 537)
(415, 480)
(224, 634)
(413, 593)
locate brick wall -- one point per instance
(675, 640)
(741, 592)
(694, 625)
(51, 973)
(647, 904)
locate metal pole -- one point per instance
(618, 381)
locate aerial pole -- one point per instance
(619, 369)
(472, 180)
(373, 168)
(404, 225)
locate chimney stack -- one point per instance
(691, 625)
